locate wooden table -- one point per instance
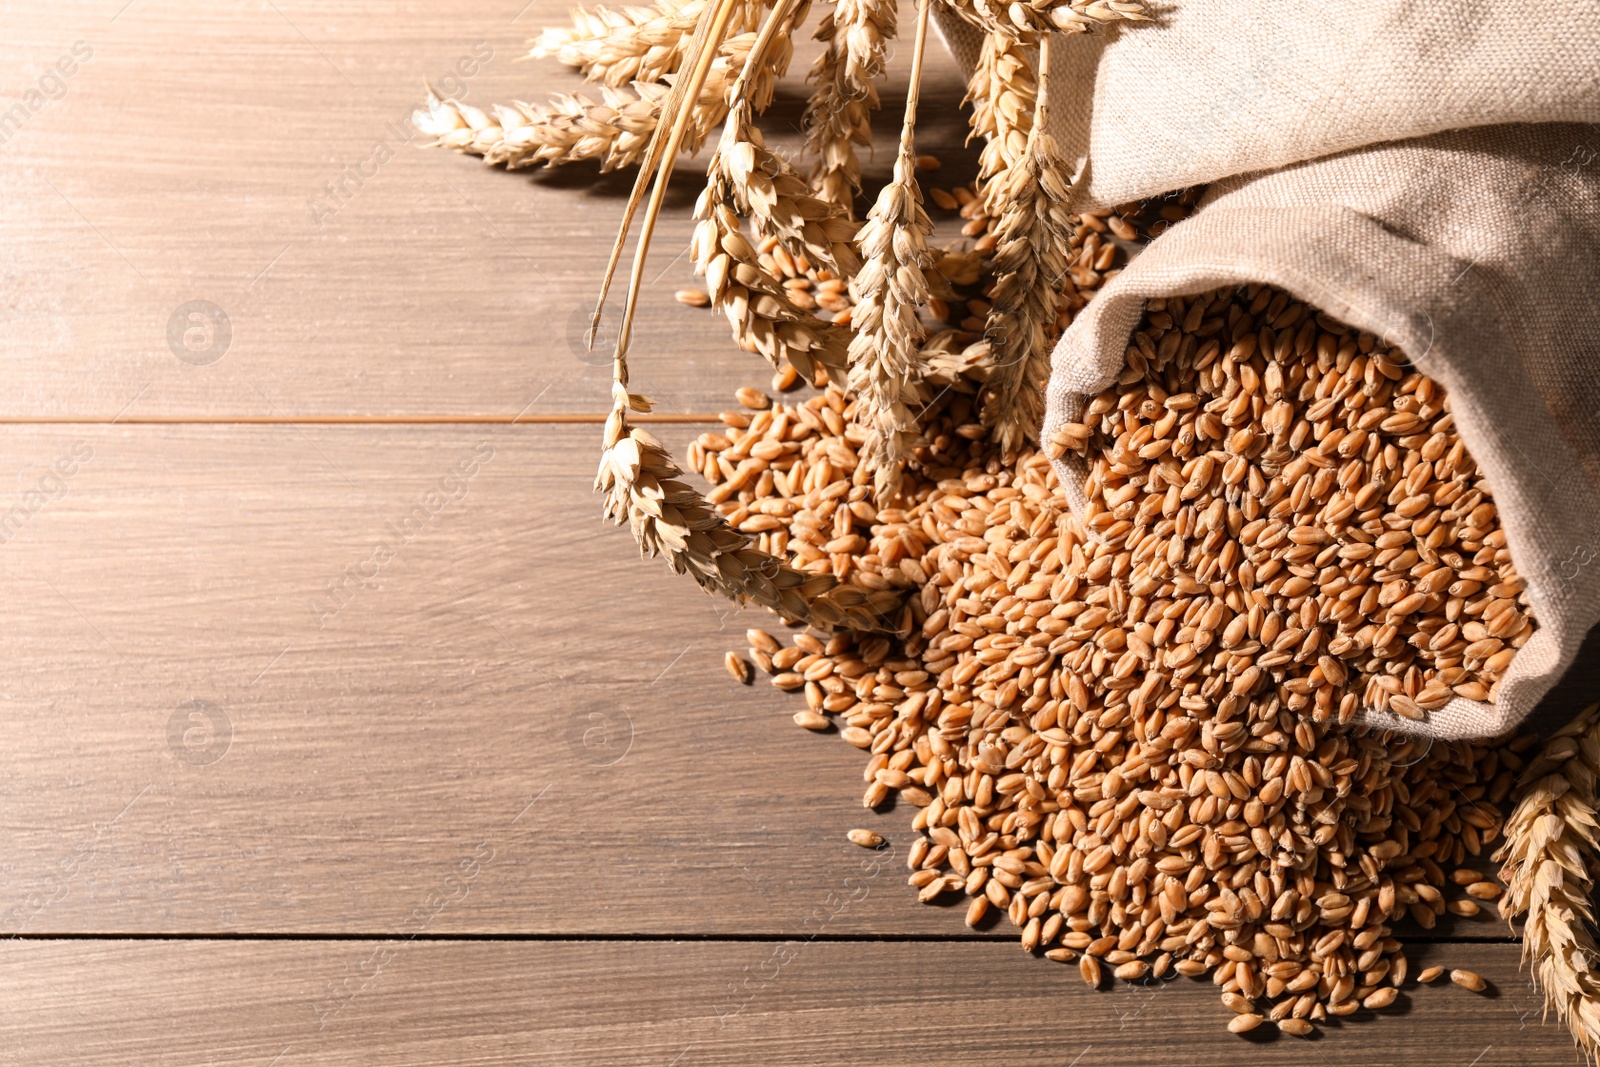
(272, 796)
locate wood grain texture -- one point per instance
(507, 647)
(190, 159)
(695, 1004)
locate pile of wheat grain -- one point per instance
(1126, 733)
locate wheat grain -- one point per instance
(1365, 524)
(738, 669)
(1550, 839)
(1128, 756)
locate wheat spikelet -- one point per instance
(622, 45)
(885, 366)
(637, 475)
(1047, 16)
(1003, 91)
(839, 115)
(1550, 840)
(1034, 234)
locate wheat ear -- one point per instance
(838, 117)
(1048, 16)
(1550, 841)
(1033, 242)
(571, 128)
(1003, 92)
(616, 130)
(743, 178)
(640, 480)
(886, 373)
(616, 46)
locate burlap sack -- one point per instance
(1477, 251)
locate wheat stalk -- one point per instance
(838, 116)
(638, 477)
(1550, 840)
(616, 46)
(1003, 91)
(885, 365)
(1033, 239)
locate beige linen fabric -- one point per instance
(1408, 168)
(1214, 88)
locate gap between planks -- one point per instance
(968, 937)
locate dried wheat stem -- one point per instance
(886, 375)
(616, 46)
(839, 115)
(1002, 92)
(1034, 235)
(1048, 16)
(1550, 840)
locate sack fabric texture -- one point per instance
(1424, 170)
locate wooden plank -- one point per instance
(512, 648)
(694, 1004)
(190, 158)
